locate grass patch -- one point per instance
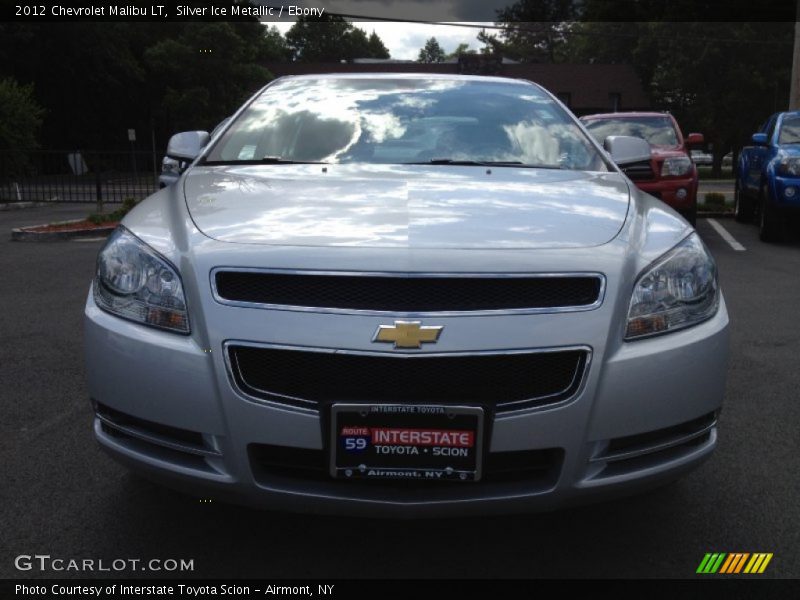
(100, 218)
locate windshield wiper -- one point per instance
(482, 163)
(267, 160)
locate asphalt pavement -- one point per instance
(61, 496)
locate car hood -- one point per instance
(662, 152)
(403, 206)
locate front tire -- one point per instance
(770, 225)
(744, 209)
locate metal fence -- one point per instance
(77, 176)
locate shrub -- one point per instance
(715, 199)
(98, 218)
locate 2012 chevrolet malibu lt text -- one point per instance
(405, 295)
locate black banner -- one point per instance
(462, 11)
(376, 588)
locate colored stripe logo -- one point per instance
(734, 563)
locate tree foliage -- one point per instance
(20, 121)
(432, 52)
(718, 78)
(532, 30)
(330, 38)
(96, 80)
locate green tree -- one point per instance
(204, 74)
(273, 46)
(462, 48)
(533, 30)
(20, 120)
(331, 39)
(376, 47)
(432, 52)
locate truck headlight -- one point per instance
(678, 290)
(790, 166)
(134, 282)
(676, 166)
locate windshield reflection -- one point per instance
(406, 120)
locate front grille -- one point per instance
(309, 378)
(639, 171)
(407, 293)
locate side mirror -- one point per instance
(625, 149)
(695, 139)
(187, 145)
(760, 139)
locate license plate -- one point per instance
(412, 442)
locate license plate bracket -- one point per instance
(407, 442)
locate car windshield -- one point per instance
(790, 130)
(656, 131)
(406, 120)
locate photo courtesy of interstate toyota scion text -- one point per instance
(406, 295)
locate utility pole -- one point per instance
(794, 94)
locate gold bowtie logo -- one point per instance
(407, 334)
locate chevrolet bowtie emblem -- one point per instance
(407, 334)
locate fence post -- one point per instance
(98, 191)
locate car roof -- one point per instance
(406, 75)
(625, 115)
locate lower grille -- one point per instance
(170, 444)
(312, 465)
(643, 450)
(314, 378)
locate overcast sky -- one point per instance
(404, 40)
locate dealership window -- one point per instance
(565, 97)
(615, 99)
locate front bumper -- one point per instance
(666, 190)
(786, 192)
(167, 408)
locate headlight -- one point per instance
(677, 166)
(134, 282)
(678, 291)
(790, 166)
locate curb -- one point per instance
(25, 234)
(21, 205)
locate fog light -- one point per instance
(681, 194)
(790, 192)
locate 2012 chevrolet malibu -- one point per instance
(405, 295)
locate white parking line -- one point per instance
(725, 235)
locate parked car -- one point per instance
(171, 170)
(701, 158)
(669, 173)
(768, 176)
(335, 313)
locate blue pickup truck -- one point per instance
(768, 176)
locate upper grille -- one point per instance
(639, 171)
(390, 293)
(310, 378)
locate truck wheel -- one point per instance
(744, 208)
(770, 226)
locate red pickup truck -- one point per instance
(670, 174)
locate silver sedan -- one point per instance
(405, 295)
